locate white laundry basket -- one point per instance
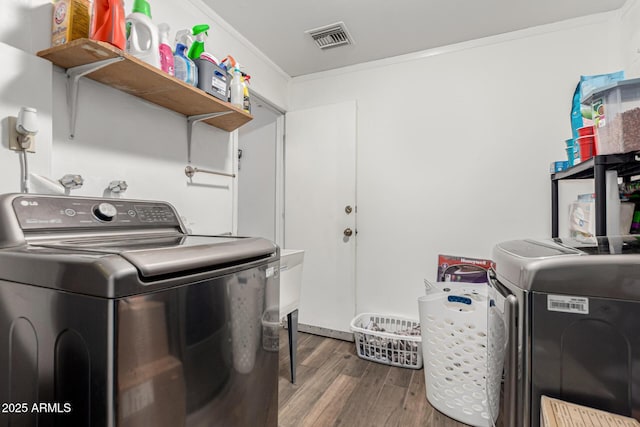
(388, 339)
(455, 344)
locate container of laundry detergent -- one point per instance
(107, 22)
(142, 34)
(185, 68)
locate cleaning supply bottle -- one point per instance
(197, 47)
(166, 54)
(246, 105)
(107, 22)
(237, 91)
(185, 68)
(142, 34)
(228, 64)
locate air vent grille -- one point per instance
(333, 35)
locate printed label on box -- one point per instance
(463, 269)
(598, 113)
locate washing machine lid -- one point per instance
(535, 249)
(605, 245)
(116, 269)
(172, 254)
(568, 267)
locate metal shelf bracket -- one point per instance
(74, 74)
(192, 120)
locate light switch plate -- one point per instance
(13, 137)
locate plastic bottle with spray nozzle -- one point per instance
(166, 54)
(246, 106)
(142, 34)
(185, 68)
(200, 36)
(237, 90)
(228, 64)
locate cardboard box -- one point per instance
(558, 413)
(582, 218)
(152, 395)
(463, 269)
(558, 166)
(71, 20)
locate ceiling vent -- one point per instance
(333, 35)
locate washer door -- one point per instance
(502, 345)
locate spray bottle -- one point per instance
(228, 63)
(246, 105)
(142, 34)
(197, 47)
(166, 54)
(237, 90)
(185, 68)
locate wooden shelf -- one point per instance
(140, 79)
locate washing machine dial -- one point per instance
(105, 211)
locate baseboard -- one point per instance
(316, 330)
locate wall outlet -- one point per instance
(13, 137)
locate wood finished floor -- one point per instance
(335, 387)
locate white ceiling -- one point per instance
(387, 28)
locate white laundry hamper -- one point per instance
(462, 361)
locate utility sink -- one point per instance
(291, 261)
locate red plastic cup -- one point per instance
(585, 131)
(587, 147)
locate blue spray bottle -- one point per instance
(185, 68)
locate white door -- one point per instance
(258, 174)
(320, 189)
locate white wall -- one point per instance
(454, 147)
(122, 137)
(19, 73)
(630, 38)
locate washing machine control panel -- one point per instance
(46, 212)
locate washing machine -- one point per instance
(111, 315)
(573, 328)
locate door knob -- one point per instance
(348, 209)
(348, 232)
